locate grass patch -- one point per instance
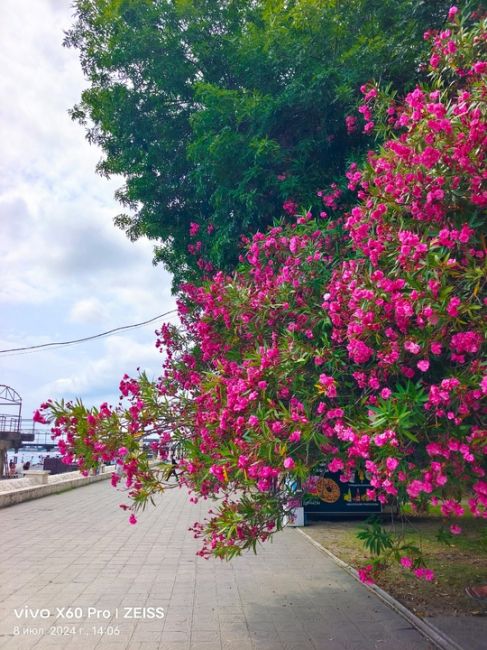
(457, 564)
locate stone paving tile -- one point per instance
(237, 644)
(77, 550)
(459, 628)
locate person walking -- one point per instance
(173, 472)
(12, 469)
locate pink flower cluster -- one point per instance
(353, 342)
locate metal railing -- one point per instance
(32, 434)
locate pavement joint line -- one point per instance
(429, 631)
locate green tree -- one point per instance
(217, 111)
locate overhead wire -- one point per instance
(33, 348)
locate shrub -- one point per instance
(353, 338)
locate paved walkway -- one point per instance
(76, 550)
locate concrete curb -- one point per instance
(37, 491)
(429, 631)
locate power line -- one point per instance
(26, 349)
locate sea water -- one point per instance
(34, 456)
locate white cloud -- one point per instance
(118, 356)
(88, 310)
(65, 269)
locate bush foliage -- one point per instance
(353, 337)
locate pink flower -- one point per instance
(425, 574)
(452, 307)
(193, 229)
(466, 342)
(132, 519)
(123, 451)
(483, 384)
(294, 245)
(391, 464)
(351, 123)
(218, 473)
(385, 393)
(452, 13)
(374, 383)
(412, 347)
(243, 461)
(435, 348)
(406, 562)
(364, 575)
(38, 417)
(336, 465)
(333, 414)
(358, 351)
(479, 67)
(434, 61)
(455, 529)
(329, 385)
(423, 365)
(451, 47)
(290, 207)
(295, 436)
(369, 126)
(415, 488)
(289, 463)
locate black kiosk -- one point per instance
(332, 497)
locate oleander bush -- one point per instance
(352, 337)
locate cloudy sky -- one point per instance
(65, 270)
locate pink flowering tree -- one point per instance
(352, 338)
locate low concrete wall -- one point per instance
(12, 497)
(37, 476)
